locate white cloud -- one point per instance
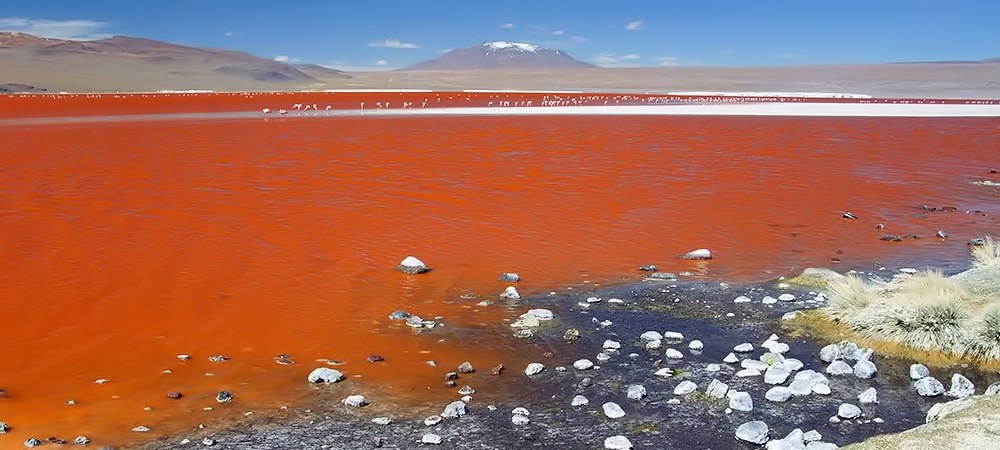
(229, 34)
(341, 65)
(669, 61)
(286, 59)
(579, 39)
(76, 30)
(558, 33)
(633, 25)
(393, 43)
(507, 25)
(381, 63)
(616, 60)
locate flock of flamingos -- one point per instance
(546, 100)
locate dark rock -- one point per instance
(224, 397)
(497, 369)
(509, 277)
(32, 442)
(81, 440)
(891, 238)
(378, 441)
(466, 367)
(451, 376)
(941, 234)
(174, 395)
(450, 383)
(977, 241)
(4, 428)
(399, 315)
(375, 358)
(648, 268)
(849, 216)
(218, 358)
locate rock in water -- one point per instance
(617, 443)
(454, 410)
(356, 401)
(839, 367)
(510, 293)
(830, 353)
(929, 387)
(412, 266)
(754, 432)
(431, 438)
(699, 254)
(776, 375)
(509, 277)
(534, 369)
(778, 394)
(868, 397)
(325, 375)
(717, 389)
(741, 401)
(961, 387)
(636, 391)
(583, 364)
(465, 367)
(579, 400)
(794, 441)
(224, 397)
(918, 371)
(612, 410)
(864, 369)
(848, 411)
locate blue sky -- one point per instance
(386, 34)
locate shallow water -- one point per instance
(128, 242)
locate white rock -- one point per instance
(768, 300)
(821, 446)
(868, 397)
(717, 389)
(776, 375)
(653, 345)
(918, 371)
(754, 364)
(431, 438)
(534, 369)
(929, 387)
(786, 297)
(701, 253)
(325, 375)
(745, 347)
(801, 388)
(612, 345)
(780, 348)
(636, 391)
(612, 410)
(755, 432)
(747, 373)
(993, 389)
(961, 387)
(741, 401)
(791, 364)
(839, 367)
(651, 336)
(603, 356)
(583, 364)
(830, 353)
(696, 345)
(771, 358)
(579, 400)
(731, 359)
(433, 420)
(812, 436)
(742, 299)
(519, 420)
(793, 441)
(520, 411)
(672, 353)
(778, 394)
(510, 293)
(382, 420)
(540, 314)
(848, 411)
(790, 315)
(618, 442)
(685, 387)
(664, 372)
(821, 389)
(454, 410)
(412, 265)
(713, 367)
(864, 369)
(355, 400)
(673, 336)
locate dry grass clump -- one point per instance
(925, 311)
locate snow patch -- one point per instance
(518, 46)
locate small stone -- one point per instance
(812, 436)
(325, 376)
(929, 387)
(673, 336)
(382, 421)
(497, 369)
(830, 353)
(776, 375)
(430, 438)
(399, 315)
(850, 216)
(961, 387)
(993, 389)
(451, 376)
(101, 381)
(754, 432)
(740, 401)
(768, 300)
(786, 297)
(618, 442)
(742, 299)
(848, 411)
(412, 266)
(672, 353)
(583, 364)
(465, 367)
(793, 441)
(839, 368)
(141, 429)
(454, 410)
(651, 336)
(778, 394)
(779, 347)
(685, 387)
(509, 277)
(579, 400)
(717, 389)
(32, 442)
(696, 345)
(636, 391)
(918, 371)
(699, 254)
(791, 364)
(603, 356)
(754, 364)
(612, 410)
(745, 347)
(821, 446)
(791, 315)
(821, 389)
(174, 395)
(647, 268)
(612, 345)
(433, 420)
(661, 276)
(184, 357)
(375, 358)
(864, 369)
(510, 293)
(747, 373)
(868, 397)
(224, 397)
(81, 440)
(356, 401)
(519, 420)
(801, 388)
(466, 390)
(534, 369)
(731, 359)
(771, 358)
(208, 442)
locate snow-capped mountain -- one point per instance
(501, 55)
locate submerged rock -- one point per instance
(325, 375)
(754, 432)
(356, 401)
(699, 254)
(454, 410)
(510, 293)
(929, 387)
(848, 411)
(412, 266)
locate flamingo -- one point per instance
(297, 107)
(266, 110)
(328, 108)
(282, 112)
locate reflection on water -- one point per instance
(127, 243)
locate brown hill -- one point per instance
(138, 64)
(501, 55)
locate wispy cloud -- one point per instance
(381, 63)
(507, 25)
(286, 59)
(668, 61)
(76, 30)
(579, 39)
(376, 67)
(616, 60)
(558, 32)
(393, 43)
(633, 25)
(229, 34)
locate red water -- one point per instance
(126, 243)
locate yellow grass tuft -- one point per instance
(986, 255)
(849, 295)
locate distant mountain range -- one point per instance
(981, 61)
(501, 55)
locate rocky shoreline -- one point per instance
(659, 363)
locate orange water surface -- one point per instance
(128, 242)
